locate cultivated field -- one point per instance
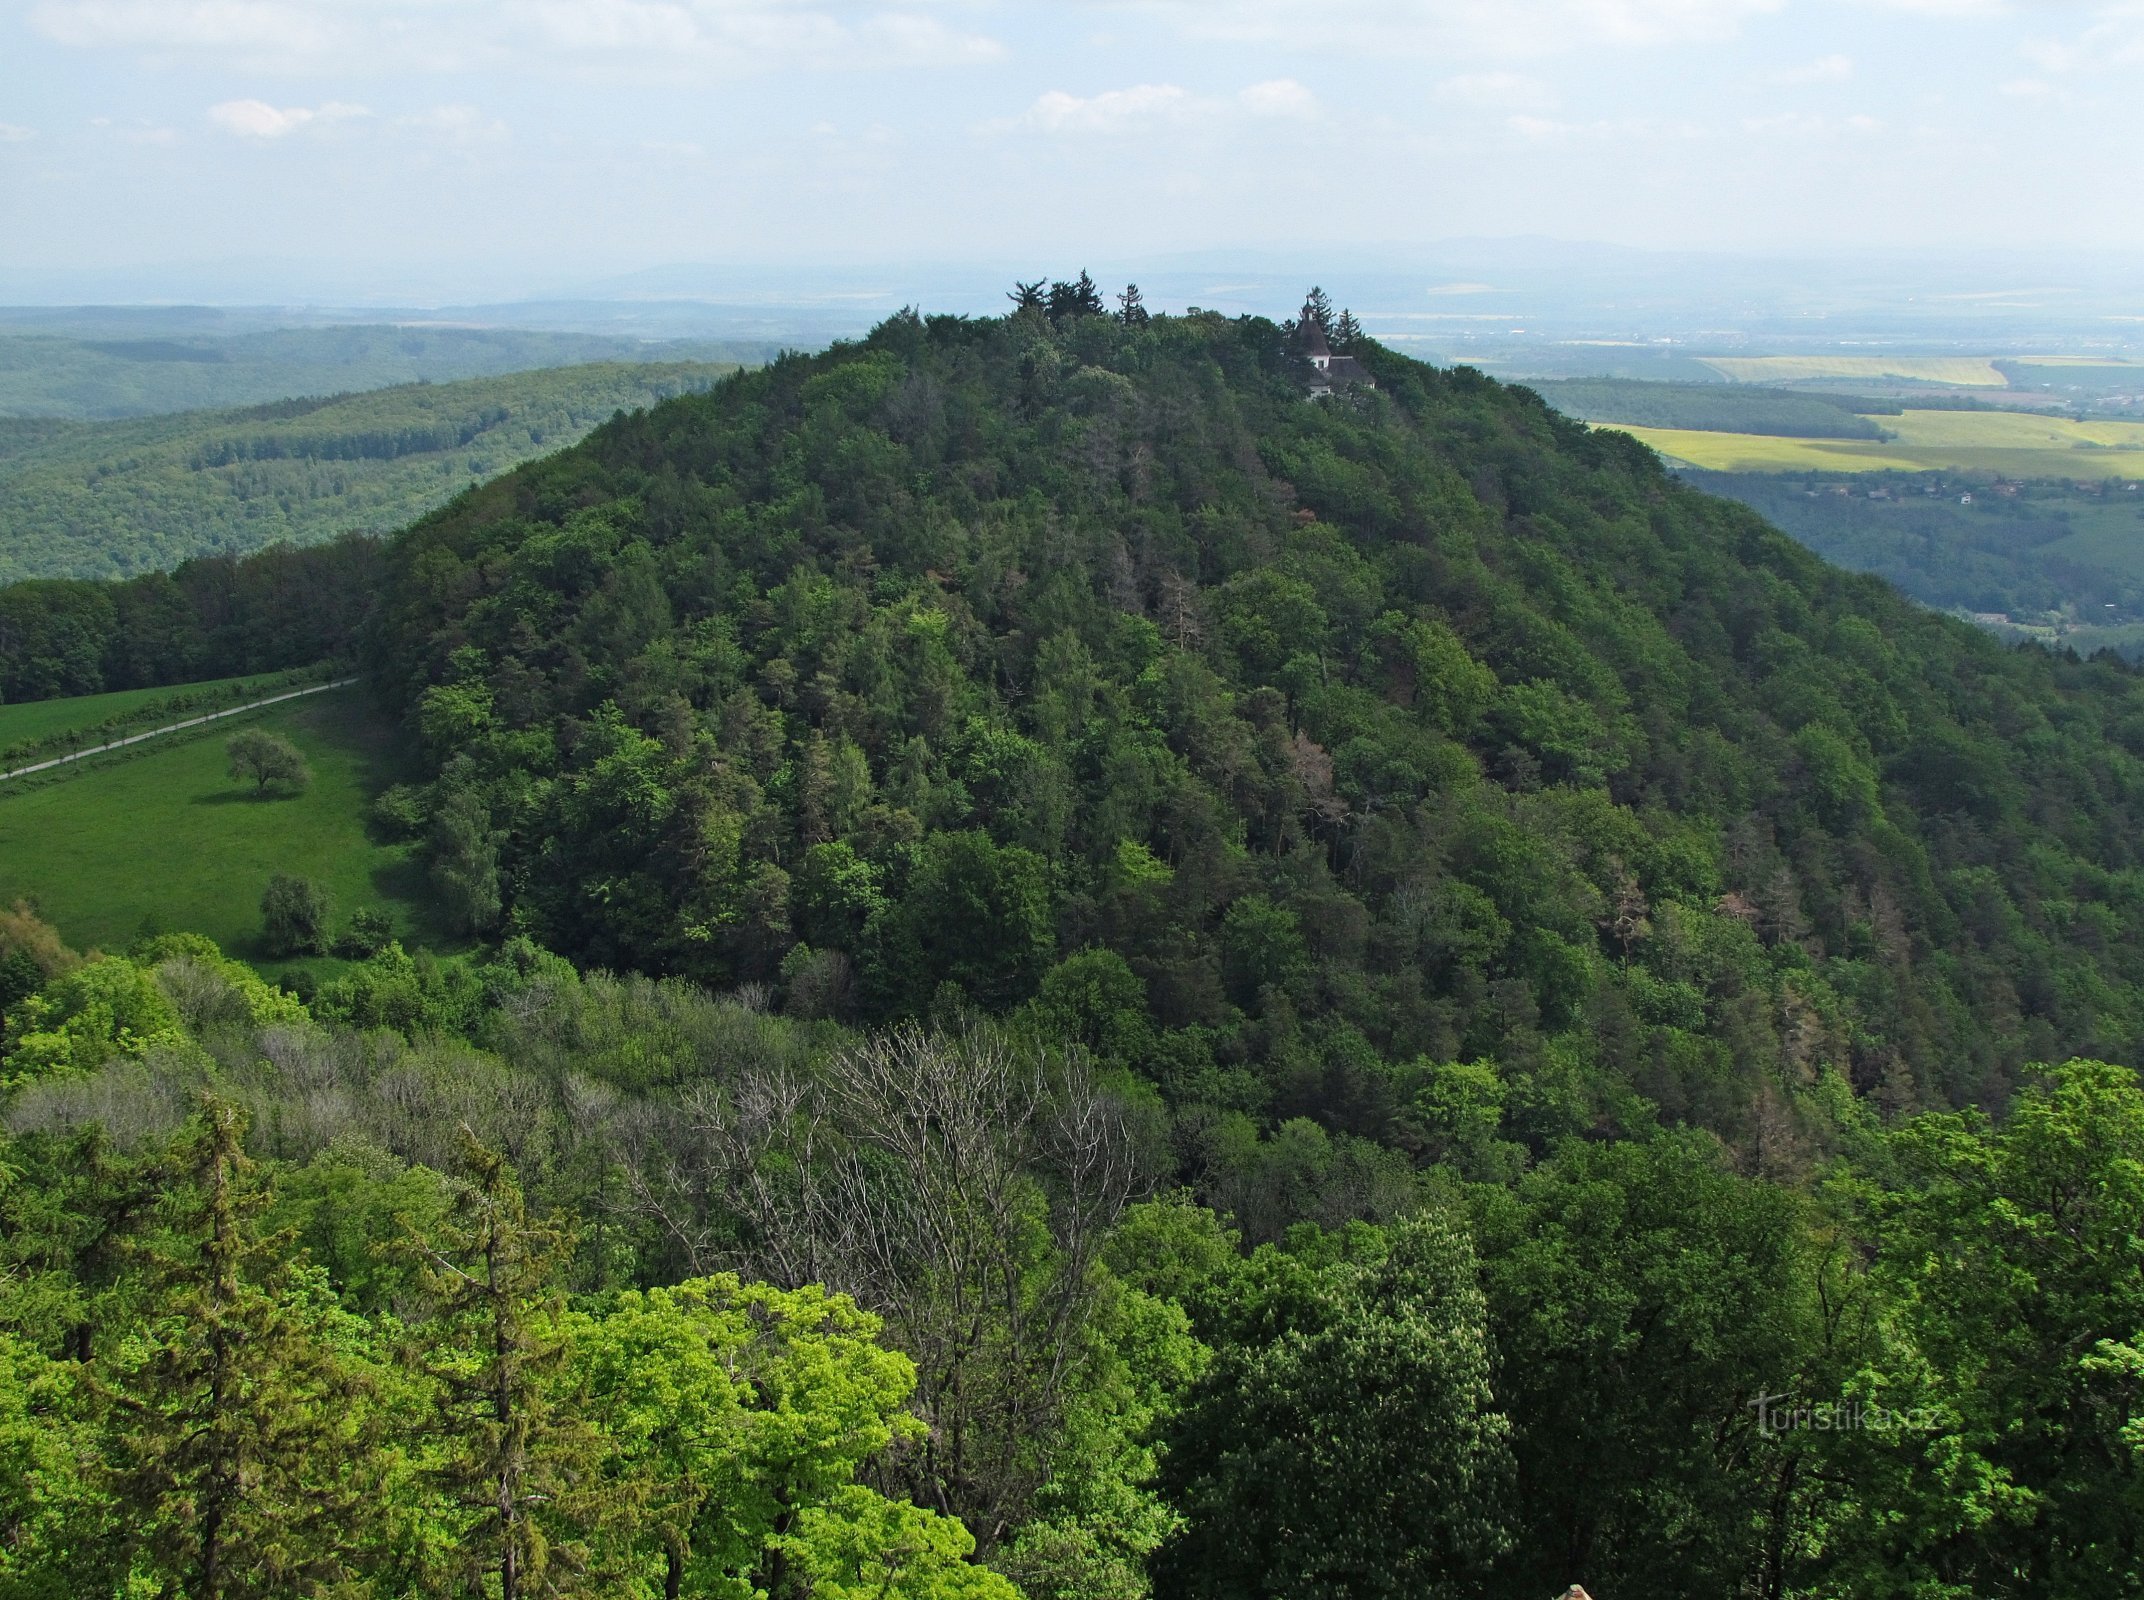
(2005, 443)
(1970, 372)
(163, 837)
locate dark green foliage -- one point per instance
(297, 917)
(1715, 407)
(214, 617)
(1376, 737)
(1347, 1443)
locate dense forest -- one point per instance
(110, 499)
(213, 617)
(1098, 979)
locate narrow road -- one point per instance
(190, 722)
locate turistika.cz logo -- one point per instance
(1782, 1413)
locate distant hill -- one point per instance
(144, 364)
(109, 499)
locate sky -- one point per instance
(495, 148)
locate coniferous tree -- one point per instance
(529, 1510)
(241, 1430)
(1347, 333)
(1131, 308)
(1026, 296)
(1318, 308)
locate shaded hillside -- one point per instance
(110, 499)
(1294, 753)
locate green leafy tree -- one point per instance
(2011, 1307)
(267, 761)
(1641, 1297)
(1355, 1449)
(297, 917)
(465, 860)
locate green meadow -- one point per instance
(163, 838)
(41, 719)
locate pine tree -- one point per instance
(1131, 308)
(1347, 333)
(531, 1511)
(1318, 308)
(1026, 296)
(241, 1423)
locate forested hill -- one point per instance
(1289, 750)
(140, 495)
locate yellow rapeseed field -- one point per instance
(2011, 444)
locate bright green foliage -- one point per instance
(109, 1007)
(2012, 1301)
(745, 1412)
(57, 1541)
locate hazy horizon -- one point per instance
(470, 150)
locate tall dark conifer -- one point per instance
(241, 1450)
(530, 1510)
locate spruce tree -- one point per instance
(530, 1508)
(1318, 308)
(240, 1428)
(1347, 333)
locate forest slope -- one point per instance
(1296, 752)
(106, 499)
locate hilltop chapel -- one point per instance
(1333, 372)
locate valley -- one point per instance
(160, 837)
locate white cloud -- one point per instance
(244, 28)
(1475, 28)
(669, 40)
(454, 124)
(257, 119)
(1111, 111)
(1825, 69)
(1277, 97)
(1150, 105)
(1498, 91)
(1803, 125)
(15, 133)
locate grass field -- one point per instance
(2006, 443)
(165, 838)
(1970, 372)
(40, 719)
